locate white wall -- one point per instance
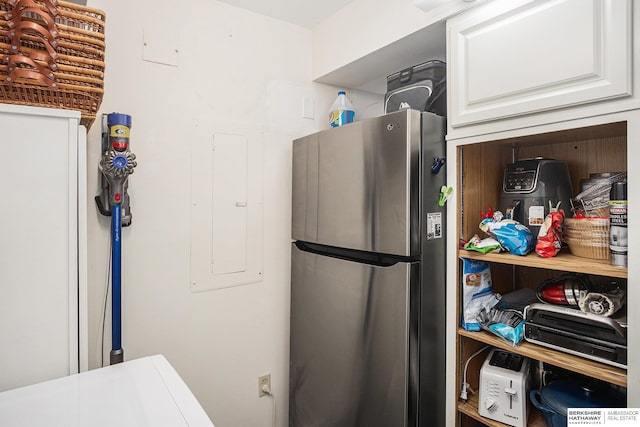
(235, 69)
(371, 30)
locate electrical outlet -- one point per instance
(264, 380)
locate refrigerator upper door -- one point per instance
(351, 357)
(356, 186)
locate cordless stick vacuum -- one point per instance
(116, 165)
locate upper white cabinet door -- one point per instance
(512, 57)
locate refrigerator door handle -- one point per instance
(364, 257)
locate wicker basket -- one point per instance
(52, 55)
(587, 237)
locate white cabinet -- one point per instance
(509, 58)
(43, 245)
(553, 78)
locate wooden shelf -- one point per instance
(564, 261)
(470, 408)
(586, 150)
(570, 362)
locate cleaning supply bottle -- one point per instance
(342, 111)
(618, 219)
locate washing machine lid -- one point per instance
(138, 393)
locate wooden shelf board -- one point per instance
(564, 261)
(470, 408)
(567, 361)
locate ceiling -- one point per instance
(305, 13)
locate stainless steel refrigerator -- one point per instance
(368, 275)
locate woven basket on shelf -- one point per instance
(587, 237)
(52, 55)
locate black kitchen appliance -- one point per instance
(422, 87)
(530, 186)
(573, 331)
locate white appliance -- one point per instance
(43, 267)
(145, 392)
(504, 388)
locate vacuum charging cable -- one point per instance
(267, 390)
(465, 385)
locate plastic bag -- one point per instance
(483, 246)
(477, 292)
(506, 323)
(549, 240)
(513, 236)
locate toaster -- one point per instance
(504, 388)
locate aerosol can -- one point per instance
(618, 221)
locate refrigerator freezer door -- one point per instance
(351, 360)
(352, 185)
